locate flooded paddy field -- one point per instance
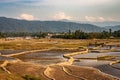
(54, 56)
(101, 65)
(96, 55)
(44, 57)
(117, 65)
(2, 58)
(7, 51)
(91, 60)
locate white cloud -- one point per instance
(26, 16)
(101, 19)
(90, 18)
(61, 15)
(95, 19)
(98, 19)
(112, 19)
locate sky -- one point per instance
(75, 10)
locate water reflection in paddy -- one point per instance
(6, 58)
(117, 65)
(90, 63)
(44, 57)
(95, 55)
(6, 52)
(102, 65)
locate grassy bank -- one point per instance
(35, 44)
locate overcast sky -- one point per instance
(78, 10)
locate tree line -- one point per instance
(78, 34)
(23, 34)
(84, 35)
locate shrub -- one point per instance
(29, 77)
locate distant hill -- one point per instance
(106, 23)
(15, 25)
(114, 28)
(97, 23)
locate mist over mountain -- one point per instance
(114, 28)
(100, 24)
(15, 25)
(114, 25)
(106, 23)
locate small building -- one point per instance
(112, 37)
(49, 35)
(9, 38)
(28, 38)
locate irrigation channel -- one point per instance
(105, 59)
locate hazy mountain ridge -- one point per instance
(15, 25)
(106, 23)
(114, 28)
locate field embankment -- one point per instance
(60, 71)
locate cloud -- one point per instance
(61, 15)
(98, 19)
(26, 16)
(95, 19)
(112, 19)
(101, 19)
(89, 10)
(90, 18)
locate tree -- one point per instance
(116, 33)
(1, 35)
(69, 31)
(110, 32)
(77, 34)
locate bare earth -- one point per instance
(51, 72)
(57, 72)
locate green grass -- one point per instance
(29, 77)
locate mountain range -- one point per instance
(16, 25)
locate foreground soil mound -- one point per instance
(53, 72)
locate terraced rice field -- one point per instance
(44, 57)
(46, 64)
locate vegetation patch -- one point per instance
(29, 77)
(106, 57)
(1, 62)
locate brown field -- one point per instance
(20, 69)
(35, 44)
